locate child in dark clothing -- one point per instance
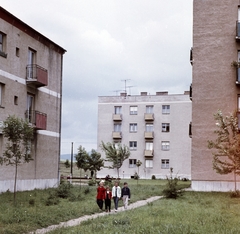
(126, 195)
(108, 197)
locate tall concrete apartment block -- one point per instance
(215, 83)
(31, 88)
(154, 127)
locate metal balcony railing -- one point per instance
(36, 75)
(37, 119)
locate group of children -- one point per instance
(104, 195)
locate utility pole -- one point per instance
(72, 160)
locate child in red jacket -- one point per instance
(100, 195)
(108, 197)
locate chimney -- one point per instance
(143, 93)
(186, 92)
(123, 94)
(162, 93)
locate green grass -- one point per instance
(31, 212)
(195, 213)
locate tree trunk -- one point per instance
(235, 181)
(15, 184)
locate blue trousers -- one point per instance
(116, 199)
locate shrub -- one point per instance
(153, 177)
(91, 182)
(64, 190)
(31, 202)
(172, 190)
(136, 176)
(235, 194)
(87, 190)
(52, 199)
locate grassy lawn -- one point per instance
(193, 213)
(32, 212)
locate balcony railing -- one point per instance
(117, 135)
(37, 119)
(149, 135)
(36, 76)
(238, 30)
(148, 153)
(149, 116)
(117, 117)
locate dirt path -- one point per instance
(75, 222)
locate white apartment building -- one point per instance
(154, 127)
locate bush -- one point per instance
(235, 194)
(153, 177)
(31, 202)
(52, 199)
(87, 190)
(91, 182)
(64, 190)
(67, 164)
(136, 176)
(172, 190)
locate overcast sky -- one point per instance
(107, 41)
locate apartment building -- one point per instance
(215, 84)
(31, 88)
(154, 127)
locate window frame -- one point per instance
(165, 127)
(165, 163)
(133, 110)
(133, 127)
(133, 145)
(149, 145)
(117, 129)
(132, 163)
(165, 145)
(117, 110)
(149, 127)
(149, 109)
(148, 164)
(3, 44)
(165, 111)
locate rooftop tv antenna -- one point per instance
(129, 88)
(125, 81)
(117, 91)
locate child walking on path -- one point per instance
(126, 195)
(108, 197)
(116, 194)
(100, 196)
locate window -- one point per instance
(165, 145)
(132, 145)
(3, 44)
(149, 145)
(165, 164)
(31, 61)
(149, 109)
(149, 163)
(117, 109)
(133, 110)
(165, 127)
(132, 163)
(149, 127)
(1, 94)
(30, 108)
(117, 127)
(166, 109)
(133, 127)
(15, 100)
(17, 51)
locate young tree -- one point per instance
(226, 156)
(94, 162)
(67, 163)
(138, 164)
(115, 154)
(81, 160)
(17, 150)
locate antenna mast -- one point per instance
(125, 81)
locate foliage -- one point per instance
(172, 190)
(67, 163)
(64, 190)
(19, 135)
(136, 176)
(81, 158)
(226, 154)
(235, 194)
(52, 199)
(115, 154)
(235, 64)
(153, 177)
(94, 162)
(92, 182)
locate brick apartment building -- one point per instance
(215, 83)
(154, 127)
(31, 88)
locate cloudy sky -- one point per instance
(107, 41)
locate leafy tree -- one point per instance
(19, 134)
(67, 163)
(94, 162)
(138, 164)
(226, 154)
(81, 160)
(115, 154)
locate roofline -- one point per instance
(13, 20)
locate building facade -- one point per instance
(215, 84)
(154, 127)
(31, 88)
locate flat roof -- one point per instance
(13, 20)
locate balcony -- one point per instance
(117, 135)
(148, 153)
(190, 130)
(117, 117)
(149, 135)
(149, 116)
(36, 76)
(37, 119)
(238, 31)
(1, 126)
